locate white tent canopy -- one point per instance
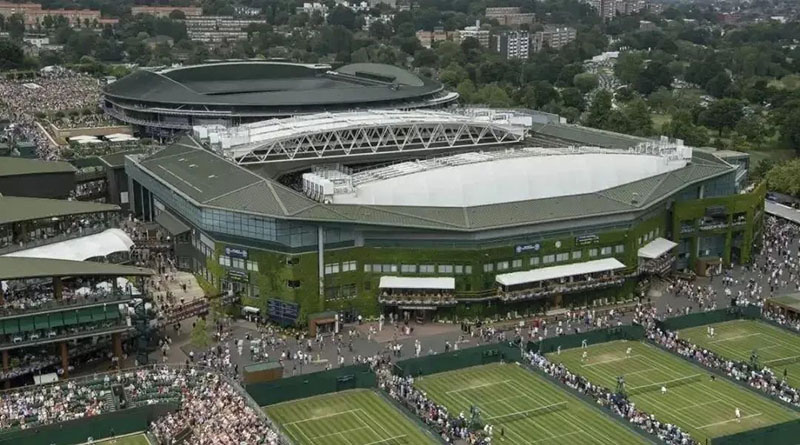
(555, 272)
(81, 249)
(656, 248)
(445, 283)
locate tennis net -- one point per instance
(669, 384)
(505, 418)
(782, 361)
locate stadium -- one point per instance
(233, 93)
(434, 215)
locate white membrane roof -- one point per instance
(81, 249)
(391, 282)
(556, 272)
(656, 248)
(508, 180)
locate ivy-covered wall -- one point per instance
(750, 204)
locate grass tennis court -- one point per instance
(131, 439)
(737, 339)
(700, 406)
(527, 407)
(357, 417)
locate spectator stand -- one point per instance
(417, 297)
(61, 305)
(787, 306)
(657, 257)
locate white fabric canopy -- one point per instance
(81, 249)
(554, 272)
(389, 282)
(656, 248)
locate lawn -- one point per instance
(736, 340)
(357, 417)
(703, 407)
(526, 407)
(131, 439)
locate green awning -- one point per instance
(70, 317)
(42, 322)
(172, 224)
(11, 326)
(56, 320)
(86, 316)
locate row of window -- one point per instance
(456, 269)
(553, 258)
(238, 263)
(347, 266)
(649, 236)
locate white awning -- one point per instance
(555, 272)
(447, 283)
(656, 248)
(81, 249)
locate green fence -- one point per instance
(313, 384)
(710, 317)
(465, 358)
(781, 433)
(125, 421)
(591, 337)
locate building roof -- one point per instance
(16, 209)
(171, 224)
(656, 248)
(14, 166)
(117, 160)
(791, 301)
(211, 180)
(100, 244)
(782, 211)
(272, 84)
(556, 272)
(14, 268)
(445, 283)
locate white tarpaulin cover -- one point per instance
(81, 249)
(447, 283)
(656, 248)
(555, 272)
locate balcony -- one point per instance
(418, 299)
(563, 288)
(16, 247)
(25, 307)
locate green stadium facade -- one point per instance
(248, 233)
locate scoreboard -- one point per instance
(282, 312)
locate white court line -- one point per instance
(339, 432)
(385, 440)
(559, 435)
(735, 337)
(611, 360)
(477, 386)
(503, 399)
(781, 358)
(626, 374)
(728, 421)
(324, 417)
(696, 405)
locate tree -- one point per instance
(654, 76)
(15, 25)
(572, 97)
(682, 127)
(466, 90)
(722, 114)
(790, 129)
(599, 110)
(199, 335)
(177, 14)
(342, 16)
(719, 85)
(638, 118)
(629, 66)
(493, 96)
(11, 55)
(785, 178)
(585, 82)
(453, 74)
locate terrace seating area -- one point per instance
(29, 234)
(566, 278)
(417, 298)
(580, 283)
(405, 291)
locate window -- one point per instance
(252, 266)
(651, 234)
(534, 261)
(368, 268)
(237, 263)
(576, 255)
(293, 283)
(619, 248)
(502, 265)
(658, 230)
(426, 268)
(488, 267)
(349, 266)
(516, 264)
(547, 259)
(592, 253)
(605, 251)
(331, 268)
(225, 260)
(562, 257)
(408, 268)
(639, 241)
(377, 268)
(459, 269)
(445, 268)
(467, 269)
(390, 268)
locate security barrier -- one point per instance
(122, 422)
(786, 432)
(710, 317)
(313, 384)
(591, 337)
(452, 360)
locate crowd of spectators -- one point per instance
(212, 410)
(760, 377)
(618, 404)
